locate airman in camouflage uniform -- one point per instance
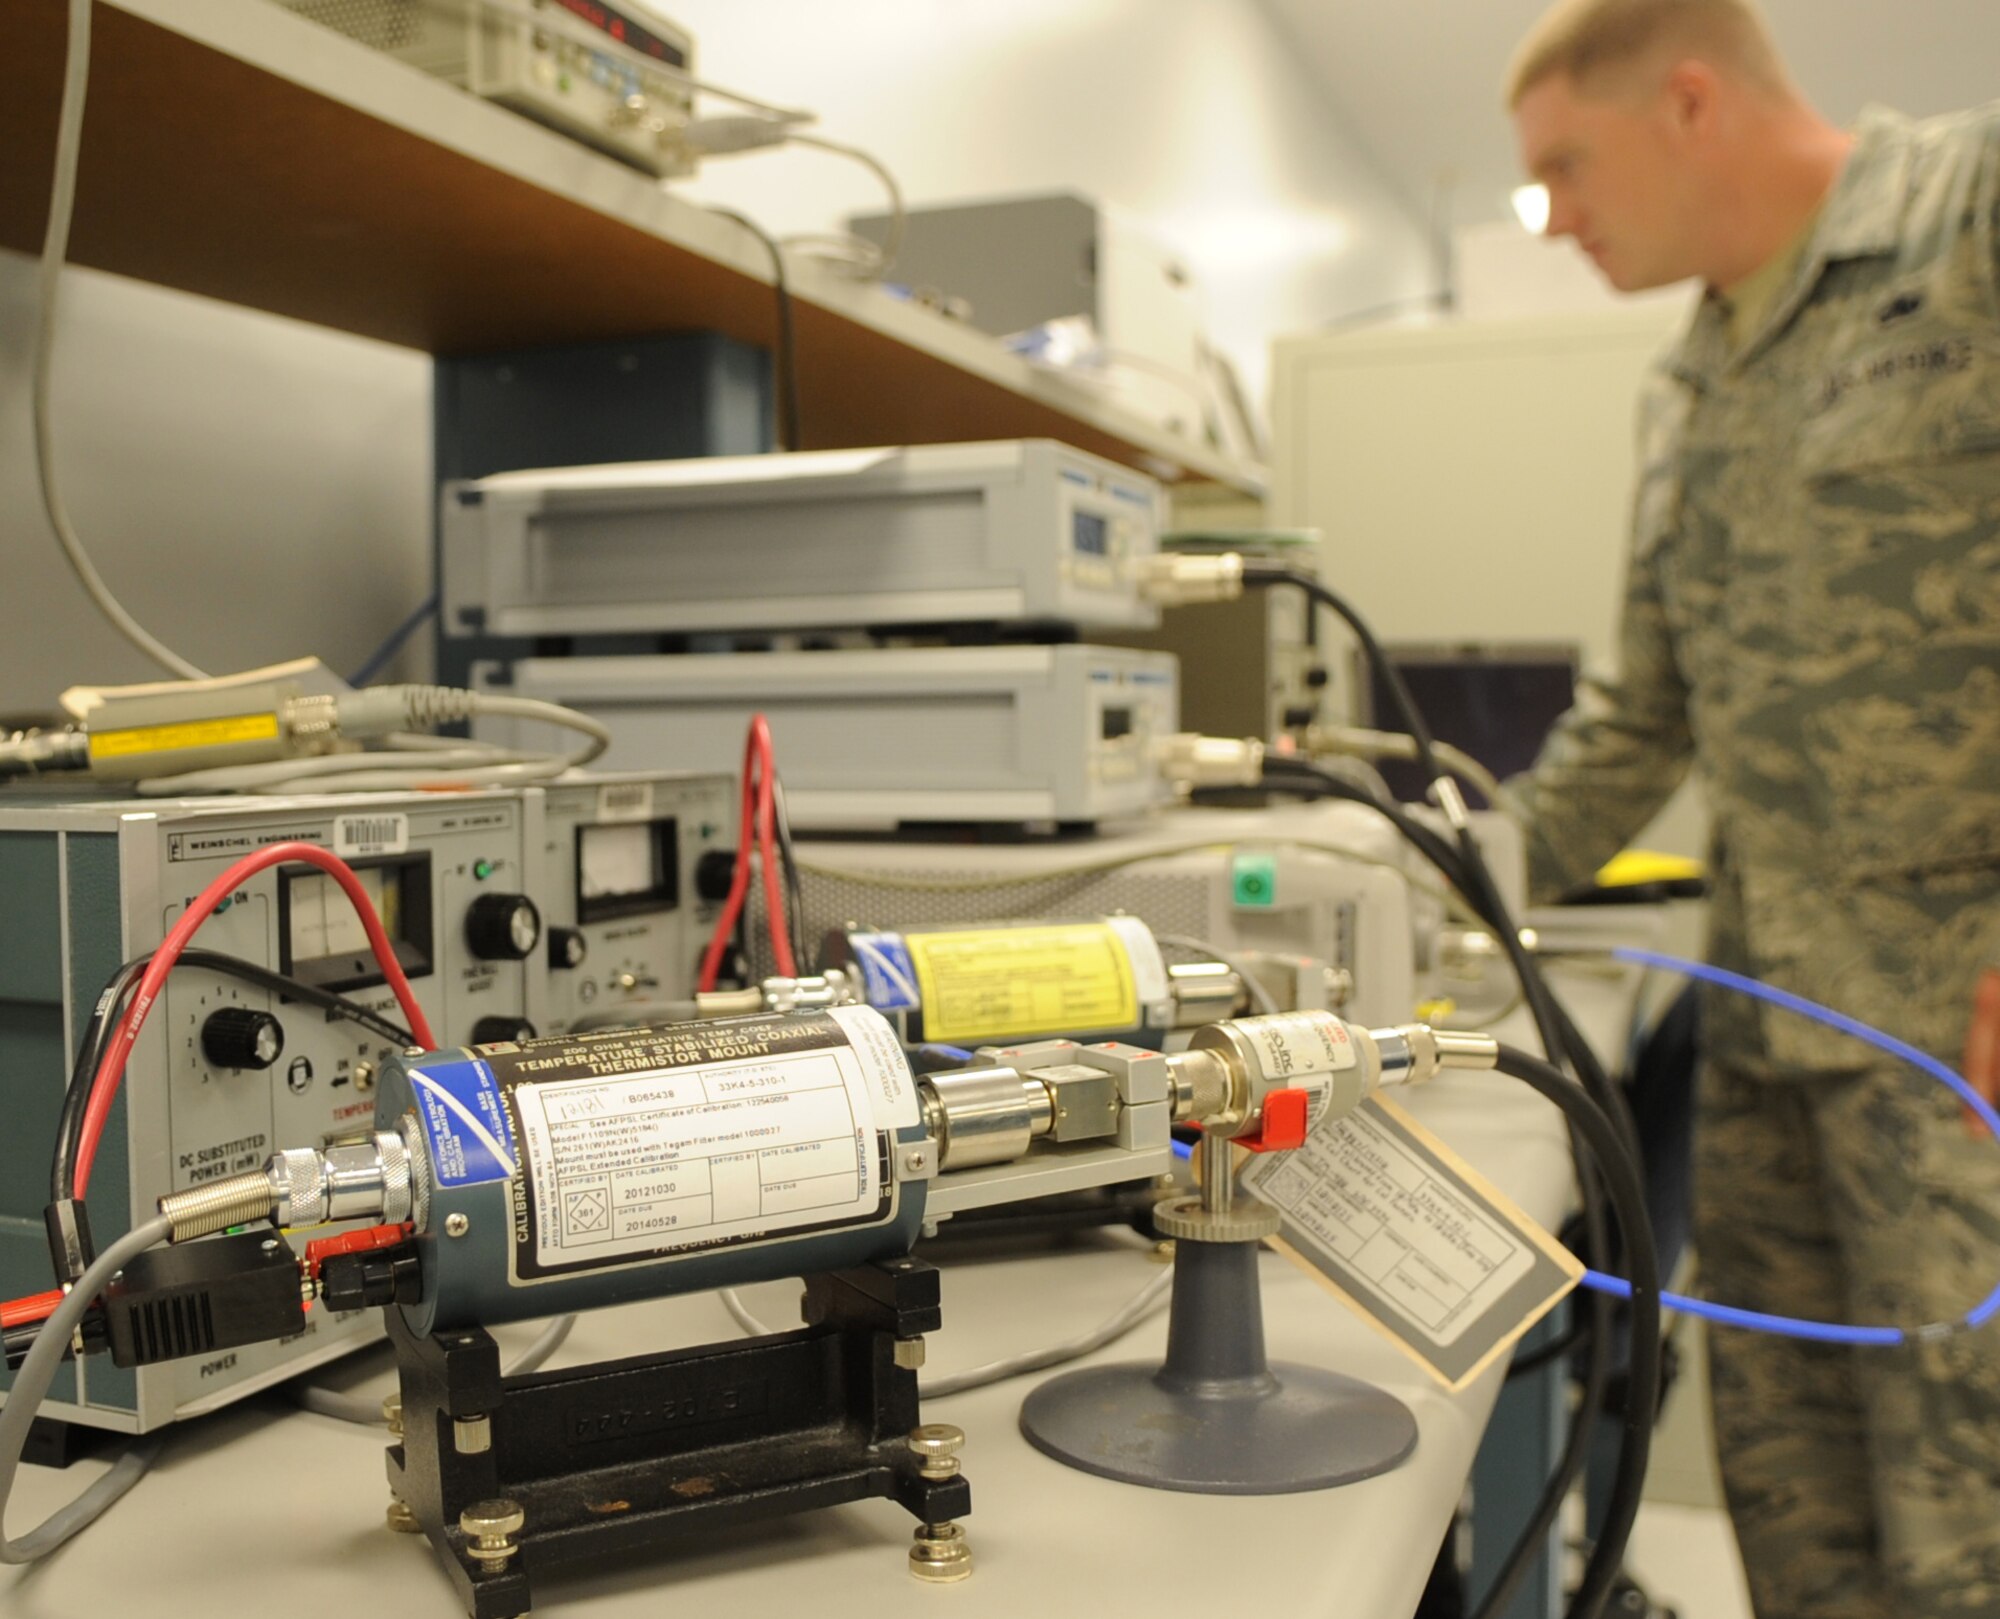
(1812, 622)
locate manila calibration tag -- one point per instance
(1414, 1238)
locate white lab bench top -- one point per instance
(263, 1507)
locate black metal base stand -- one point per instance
(510, 1477)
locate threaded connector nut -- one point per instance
(297, 1185)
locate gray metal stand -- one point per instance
(1217, 1417)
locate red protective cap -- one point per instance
(1285, 1119)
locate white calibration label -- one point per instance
(676, 1157)
(357, 835)
(625, 801)
(1421, 1244)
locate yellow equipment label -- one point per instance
(1013, 983)
(216, 733)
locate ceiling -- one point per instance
(1417, 82)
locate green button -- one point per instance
(1254, 878)
(482, 869)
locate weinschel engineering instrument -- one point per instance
(621, 890)
(509, 910)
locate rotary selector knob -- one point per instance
(567, 948)
(501, 1030)
(241, 1037)
(503, 927)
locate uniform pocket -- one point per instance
(1917, 391)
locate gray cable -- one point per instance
(739, 1312)
(538, 1353)
(884, 257)
(31, 1387)
(1265, 1001)
(55, 250)
(1148, 1301)
(366, 1413)
(326, 1402)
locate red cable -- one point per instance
(756, 835)
(35, 1307)
(104, 1086)
(767, 821)
(739, 882)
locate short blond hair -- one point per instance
(1585, 39)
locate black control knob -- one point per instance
(715, 873)
(241, 1037)
(503, 927)
(501, 1030)
(567, 947)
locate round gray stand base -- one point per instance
(1216, 1417)
(1308, 1430)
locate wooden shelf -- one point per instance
(235, 150)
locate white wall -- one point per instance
(253, 489)
(1474, 480)
(1196, 116)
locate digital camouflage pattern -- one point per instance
(1812, 621)
(1863, 1483)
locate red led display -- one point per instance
(625, 31)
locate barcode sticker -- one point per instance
(355, 835)
(625, 801)
(1424, 1247)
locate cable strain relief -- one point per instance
(240, 1200)
(382, 709)
(70, 1246)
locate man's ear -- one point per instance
(1692, 99)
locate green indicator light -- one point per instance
(482, 869)
(1254, 880)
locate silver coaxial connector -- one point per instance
(365, 1181)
